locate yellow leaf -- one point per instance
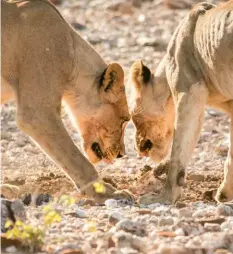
(99, 187)
(18, 223)
(91, 227)
(9, 223)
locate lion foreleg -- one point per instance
(225, 191)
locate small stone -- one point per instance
(168, 249)
(211, 227)
(127, 240)
(196, 177)
(80, 213)
(123, 7)
(210, 241)
(153, 206)
(131, 227)
(114, 217)
(179, 232)
(128, 250)
(221, 251)
(185, 212)
(160, 210)
(111, 203)
(17, 207)
(43, 199)
(167, 221)
(227, 225)
(11, 249)
(199, 213)
(213, 220)
(113, 250)
(122, 239)
(154, 220)
(180, 205)
(144, 211)
(224, 210)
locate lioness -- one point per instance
(197, 70)
(44, 61)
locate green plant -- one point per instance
(33, 236)
(28, 235)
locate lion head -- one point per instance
(152, 112)
(102, 114)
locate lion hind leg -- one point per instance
(225, 191)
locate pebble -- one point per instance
(179, 232)
(111, 203)
(167, 221)
(122, 239)
(154, 220)
(199, 213)
(160, 210)
(185, 212)
(114, 217)
(211, 241)
(128, 250)
(131, 227)
(81, 213)
(224, 210)
(11, 249)
(227, 225)
(18, 210)
(212, 227)
(196, 177)
(166, 249)
(113, 250)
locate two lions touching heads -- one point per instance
(45, 62)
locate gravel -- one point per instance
(124, 31)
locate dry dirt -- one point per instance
(123, 34)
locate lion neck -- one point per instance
(82, 96)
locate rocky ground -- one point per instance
(125, 31)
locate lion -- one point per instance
(46, 62)
(168, 111)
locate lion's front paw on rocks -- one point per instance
(124, 195)
(103, 191)
(224, 193)
(167, 196)
(152, 198)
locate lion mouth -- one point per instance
(96, 149)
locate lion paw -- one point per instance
(168, 196)
(224, 193)
(152, 198)
(124, 195)
(107, 191)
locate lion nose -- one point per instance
(120, 155)
(146, 146)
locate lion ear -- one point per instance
(140, 74)
(112, 83)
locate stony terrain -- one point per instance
(125, 31)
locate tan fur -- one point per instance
(196, 71)
(44, 61)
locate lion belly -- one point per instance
(214, 44)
